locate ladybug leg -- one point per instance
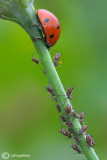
(38, 27)
(34, 38)
(42, 39)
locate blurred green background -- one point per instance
(29, 122)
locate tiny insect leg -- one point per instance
(38, 27)
(34, 38)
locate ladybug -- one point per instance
(50, 25)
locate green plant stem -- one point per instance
(23, 13)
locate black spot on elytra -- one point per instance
(46, 20)
(57, 26)
(51, 36)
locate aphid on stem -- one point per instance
(76, 136)
(58, 107)
(83, 129)
(90, 140)
(75, 114)
(44, 72)
(75, 133)
(68, 111)
(69, 92)
(56, 58)
(76, 148)
(54, 98)
(82, 117)
(35, 60)
(70, 125)
(50, 90)
(63, 118)
(64, 132)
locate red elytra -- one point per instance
(51, 26)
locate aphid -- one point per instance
(49, 89)
(75, 114)
(35, 60)
(54, 98)
(68, 110)
(69, 92)
(82, 117)
(44, 71)
(76, 136)
(51, 26)
(58, 107)
(69, 125)
(56, 59)
(75, 133)
(90, 140)
(64, 132)
(63, 118)
(76, 148)
(57, 56)
(83, 129)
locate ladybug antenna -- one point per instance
(54, 49)
(51, 52)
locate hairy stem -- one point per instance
(23, 13)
